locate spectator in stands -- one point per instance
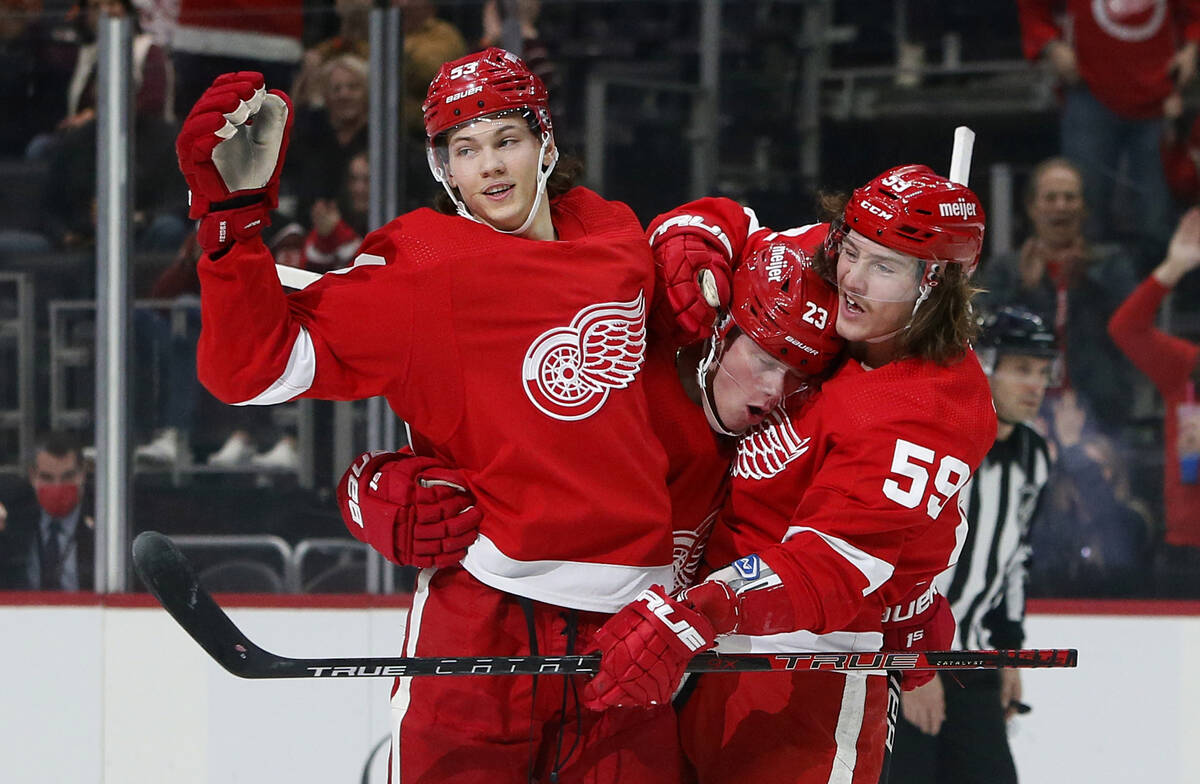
(34, 72)
(1173, 364)
(1074, 285)
(339, 224)
(1118, 68)
(71, 150)
(150, 70)
(353, 18)
(218, 36)
(49, 532)
(167, 344)
(534, 50)
(1092, 536)
(325, 139)
(428, 42)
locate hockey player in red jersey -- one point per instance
(510, 336)
(776, 342)
(842, 510)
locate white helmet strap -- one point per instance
(716, 347)
(439, 174)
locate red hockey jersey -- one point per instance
(1122, 46)
(852, 497)
(858, 492)
(698, 460)
(518, 360)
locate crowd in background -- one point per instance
(1103, 255)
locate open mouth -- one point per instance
(852, 305)
(498, 191)
(756, 415)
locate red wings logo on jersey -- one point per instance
(769, 447)
(569, 371)
(1130, 20)
(689, 550)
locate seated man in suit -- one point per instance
(48, 540)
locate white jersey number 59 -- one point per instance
(910, 460)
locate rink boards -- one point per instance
(115, 693)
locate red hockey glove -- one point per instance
(683, 248)
(927, 625)
(413, 510)
(645, 649)
(231, 149)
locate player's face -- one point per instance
(1018, 385)
(749, 383)
(877, 288)
(494, 165)
(1056, 210)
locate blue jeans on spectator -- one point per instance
(1097, 140)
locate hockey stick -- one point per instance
(960, 156)
(173, 582)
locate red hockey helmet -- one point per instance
(785, 307)
(480, 84)
(914, 211)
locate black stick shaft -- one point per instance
(171, 579)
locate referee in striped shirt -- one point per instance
(953, 729)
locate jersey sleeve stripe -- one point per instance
(877, 571)
(297, 377)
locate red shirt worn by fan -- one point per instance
(517, 361)
(1168, 361)
(1122, 46)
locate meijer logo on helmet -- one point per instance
(777, 264)
(960, 209)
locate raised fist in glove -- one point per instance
(645, 649)
(684, 247)
(921, 622)
(231, 149)
(413, 510)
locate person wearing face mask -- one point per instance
(51, 537)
